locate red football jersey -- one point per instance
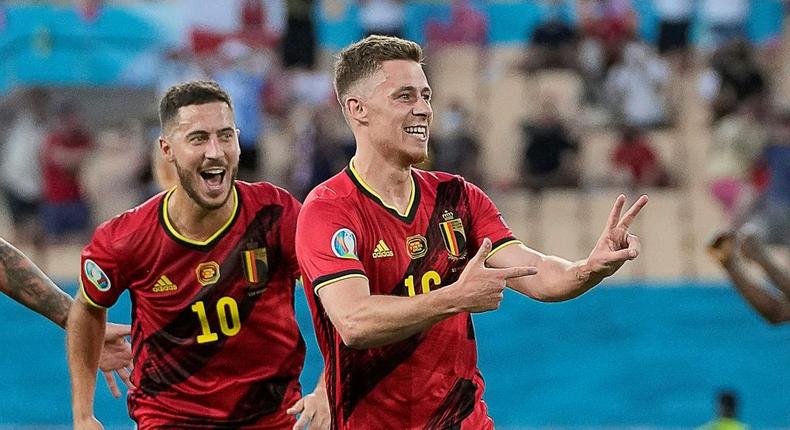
(214, 334)
(428, 381)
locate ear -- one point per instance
(357, 109)
(167, 150)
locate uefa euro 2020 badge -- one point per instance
(96, 275)
(344, 244)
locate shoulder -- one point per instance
(264, 194)
(124, 228)
(333, 191)
(443, 182)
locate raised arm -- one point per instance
(559, 279)
(84, 336)
(367, 321)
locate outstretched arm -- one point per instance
(24, 282)
(559, 279)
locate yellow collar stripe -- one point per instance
(175, 233)
(370, 190)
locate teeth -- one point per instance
(214, 171)
(420, 129)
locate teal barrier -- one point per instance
(616, 357)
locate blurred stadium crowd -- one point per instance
(673, 96)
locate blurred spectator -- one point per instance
(384, 17)
(243, 75)
(322, 146)
(738, 141)
(111, 175)
(551, 152)
(456, 147)
(635, 161)
(553, 44)
(636, 87)
(21, 173)
(722, 22)
(727, 412)
(766, 224)
(733, 77)
(467, 26)
(64, 211)
(298, 45)
(673, 29)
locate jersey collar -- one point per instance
(414, 198)
(204, 245)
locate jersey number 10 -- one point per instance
(429, 279)
(227, 314)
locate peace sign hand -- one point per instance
(616, 245)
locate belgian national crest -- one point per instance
(256, 266)
(454, 237)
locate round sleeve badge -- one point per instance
(344, 244)
(96, 275)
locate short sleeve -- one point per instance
(327, 244)
(487, 221)
(100, 272)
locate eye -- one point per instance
(200, 138)
(405, 97)
(226, 136)
(426, 97)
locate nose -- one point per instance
(213, 148)
(422, 108)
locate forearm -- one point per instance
(557, 280)
(379, 320)
(770, 307)
(24, 282)
(85, 334)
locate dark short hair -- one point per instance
(728, 402)
(362, 59)
(190, 93)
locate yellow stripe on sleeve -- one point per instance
(338, 279)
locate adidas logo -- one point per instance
(382, 250)
(164, 285)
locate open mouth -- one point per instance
(418, 131)
(213, 177)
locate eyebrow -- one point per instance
(202, 132)
(412, 89)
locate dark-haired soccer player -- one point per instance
(23, 281)
(210, 267)
(399, 258)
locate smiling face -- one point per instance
(202, 142)
(399, 111)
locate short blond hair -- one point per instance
(362, 59)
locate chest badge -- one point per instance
(256, 265)
(207, 273)
(454, 237)
(417, 246)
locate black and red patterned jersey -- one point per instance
(214, 335)
(430, 380)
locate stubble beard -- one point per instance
(186, 181)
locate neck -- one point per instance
(193, 221)
(389, 179)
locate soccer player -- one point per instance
(23, 281)
(211, 269)
(398, 258)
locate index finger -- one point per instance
(633, 211)
(516, 272)
(614, 215)
(112, 385)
